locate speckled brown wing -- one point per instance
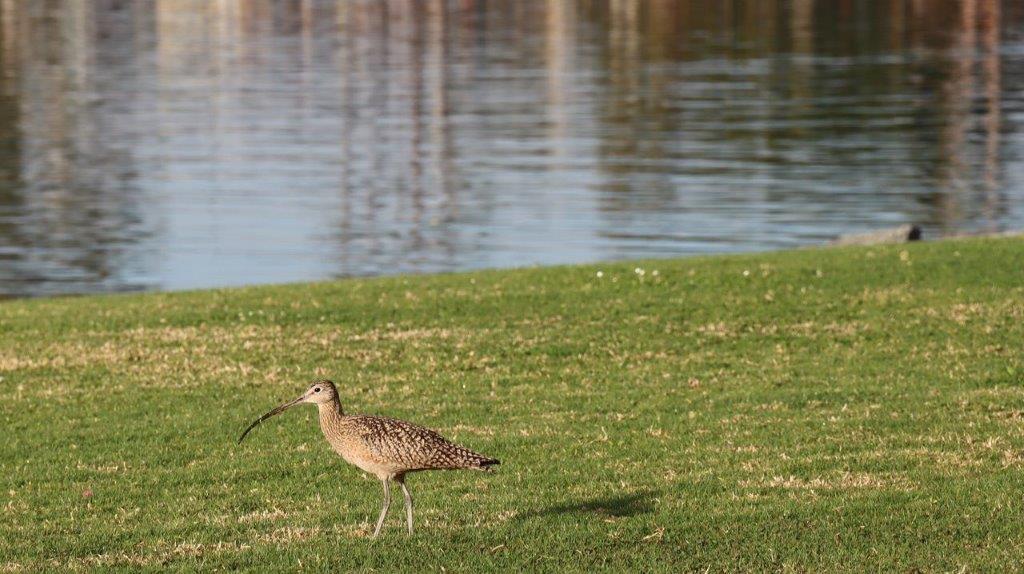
(413, 446)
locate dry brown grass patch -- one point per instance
(837, 481)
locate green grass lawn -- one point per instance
(828, 409)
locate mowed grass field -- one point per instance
(855, 409)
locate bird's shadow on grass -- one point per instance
(624, 505)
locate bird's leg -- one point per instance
(408, 504)
(384, 510)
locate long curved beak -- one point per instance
(276, 411)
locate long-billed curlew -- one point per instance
(386, 448)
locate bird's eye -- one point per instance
(316, 390)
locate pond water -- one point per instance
(184, 144)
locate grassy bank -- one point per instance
(841, 409)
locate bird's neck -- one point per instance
(331, 417)
(330, 409)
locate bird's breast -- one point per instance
(353, 449)
(361, 457)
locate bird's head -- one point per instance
(320, 392)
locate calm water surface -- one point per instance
(181, 144)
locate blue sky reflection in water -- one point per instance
(182, 144)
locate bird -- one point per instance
(384, 447)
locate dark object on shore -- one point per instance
(901, 234)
